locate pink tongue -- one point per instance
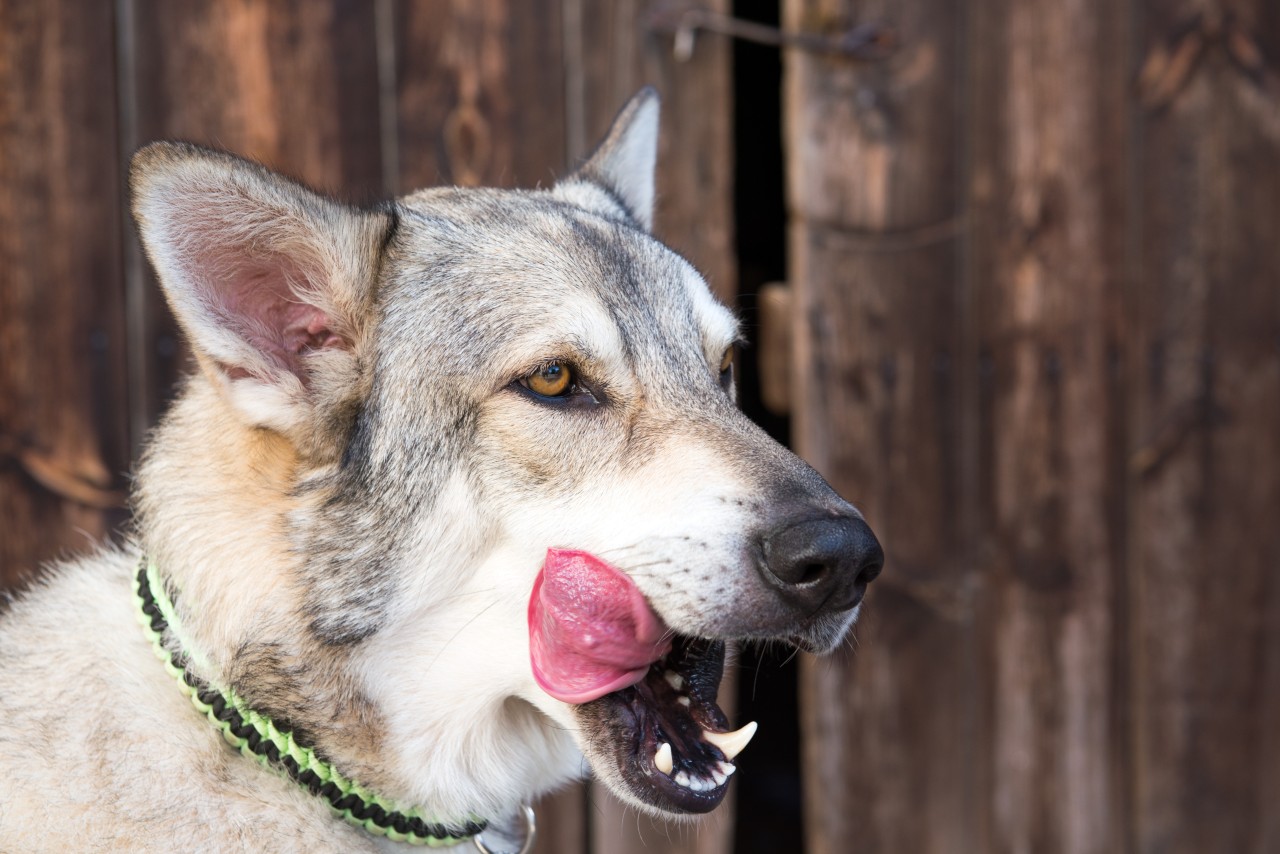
(590, 630)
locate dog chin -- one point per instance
(825, 634)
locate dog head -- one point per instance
(517, 477)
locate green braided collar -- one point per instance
(256, 736)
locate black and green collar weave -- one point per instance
(256, 736)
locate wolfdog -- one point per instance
(456, 507)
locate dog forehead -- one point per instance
(490, 269)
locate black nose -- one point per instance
(822, 565)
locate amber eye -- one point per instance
(551, 380)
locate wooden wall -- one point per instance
(64, 432)
(1036, 275)
(364, 99)
(1035, 268)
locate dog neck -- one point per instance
(217, 505)
(258, 736)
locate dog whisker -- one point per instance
(755, 682)
(631, 568)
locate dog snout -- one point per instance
(822, 565)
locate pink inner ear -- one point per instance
(264, 300)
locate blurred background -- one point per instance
(1013, 273)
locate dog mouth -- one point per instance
(666, 736)
(646, 696)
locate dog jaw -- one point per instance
(466, 727)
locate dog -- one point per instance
(457, 507)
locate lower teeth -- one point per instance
(695, 784)
(719, 775)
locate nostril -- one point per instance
(821, 560)
(812, 573)
(870, 570)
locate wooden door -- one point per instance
(1035, 324)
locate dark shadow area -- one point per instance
(769, 817)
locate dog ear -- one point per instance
(623, 164)
(272, 283)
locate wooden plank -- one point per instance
(1206, 468)
(610, 53)
(1047, 208)
(891, 737)
(562, 822)
(617, 53)
(63, 399)
(291, 84)
(773, 302)
(873, 267)
(480, 93)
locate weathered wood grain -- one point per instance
(293, 84)
(1046, 203)
(480, 92)
(609, 57)
(63, 429)
(1037, 339)
(290, 84)
(1206, 475)
(890, 725)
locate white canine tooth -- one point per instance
(675, 680)
(730, 743)
(662, 759)
(682, 779)
(684, 701)
(719, 776)
(727, 769)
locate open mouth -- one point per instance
(646, 696)
(669, 739)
